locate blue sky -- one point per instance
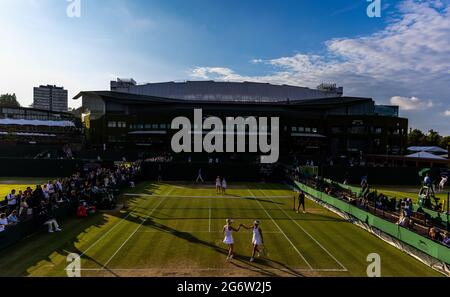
(401, 58)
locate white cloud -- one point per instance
(412, 103)
(447, 113)
(409, 58)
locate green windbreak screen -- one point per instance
(421, 243)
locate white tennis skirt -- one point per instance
(228, 240)
(256, 241)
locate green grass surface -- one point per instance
(166, 233)
(18, 183)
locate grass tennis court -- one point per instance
(175, 230)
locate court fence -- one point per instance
(426, 250)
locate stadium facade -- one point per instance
(315, 124)
(30, 132)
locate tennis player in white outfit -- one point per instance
(218, 185)
(224, 186)
(227, 231)
(257, 239)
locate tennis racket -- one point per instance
(263, 250)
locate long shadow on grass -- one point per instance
(262, 200)
(18, 259)
(27, 254)
(266, 262)
(193, 239)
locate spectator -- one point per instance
(12, 218)
(427, 180)
(3, 220)
(46, 192)
(50, 221)
(446, 239)
(408, 207)
(434, 234)
(23, 210)
(11, 200)
(403, 220)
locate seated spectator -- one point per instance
(446, 239)
(408, 207)
(50, 221)
(3, 220)
(82, 211)
(434, 234)
(403, 220)
(12, 218)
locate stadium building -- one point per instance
(38, 133)
(317, 124)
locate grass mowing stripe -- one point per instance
(108, 232)
(209, 220)
(310, 236)
(203, 197)
(137, 228)
(270, 217)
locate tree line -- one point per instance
(432, 138)
(9, 100)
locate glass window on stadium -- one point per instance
(112, 124)
(337, 130)
(378, 130)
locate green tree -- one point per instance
(433, 138)
(416, 138)
(9, 100)
(445, 142)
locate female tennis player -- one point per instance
(224, 186)
(257, 239)
(218, 185)
(227, 231)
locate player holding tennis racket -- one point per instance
(257, 239)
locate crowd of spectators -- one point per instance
(92, 188)
(402, 210)
(163, 157)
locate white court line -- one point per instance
(310, 236)
(105, 234)
(269, 216)
(204, 269)
(209, 221)
(197, 231)
(203, 197)
(137, 228)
